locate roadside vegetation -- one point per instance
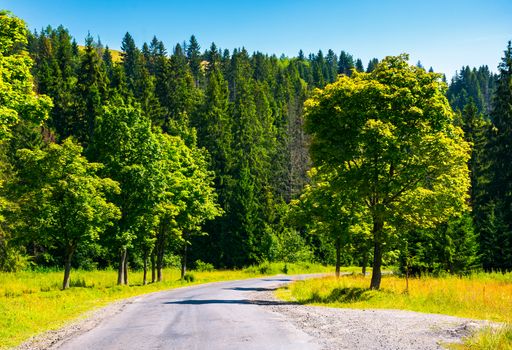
(32, 302)
(486, 296)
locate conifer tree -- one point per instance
(194, 59)
(500, 187)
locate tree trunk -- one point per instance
(145, 276)
(378, 225)
(67, 267)
(153, 267)
(125, 270)
(365, 262)
(338, 257)
(159, 265)
(120, 270)
(184, 262)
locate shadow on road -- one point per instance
(251, 289)
(278, 280)
(227, 301)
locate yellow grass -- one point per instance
(32, 302)
(481, 296)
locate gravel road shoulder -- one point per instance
(338, 328)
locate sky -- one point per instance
(445, 35)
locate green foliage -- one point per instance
(201, 266)
(17, 98)
(189, 277)
(62, 199)
(389, 134)
(452, 246)
(496, 228)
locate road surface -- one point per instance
(223, 315)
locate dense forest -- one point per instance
(148, 157)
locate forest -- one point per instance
(156, 156)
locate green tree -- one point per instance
(194, 59)
(17, 97)
(63, 200)
(337, 215)
(500, 186)
(91, 92)
(125, 144)
(391, 135)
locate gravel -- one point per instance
(338, 328)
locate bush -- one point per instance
(189, 277)
(202, 266)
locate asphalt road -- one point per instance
(224, 315)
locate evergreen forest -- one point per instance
(161, 155)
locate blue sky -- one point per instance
(442, 34)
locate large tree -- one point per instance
(390, 133)
(63, 200)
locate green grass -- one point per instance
(32, 302)
(490, 339)
(478, 296)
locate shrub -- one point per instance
(202, 266)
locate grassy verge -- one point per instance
(32, 302)
(479, 296)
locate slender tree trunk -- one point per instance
(160, 249)
(120, 270)
(338, 257)
(159, 264)
(67, 267)
(184, 262)
(145, 276)
(378, 225)
(365, 262)
(125, 270)
(153, 267)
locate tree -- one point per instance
(91, 92)
(194, 59)
(391, 135)
(17, 96)
(125, 144)
(331, 213)
(345, 63)
(63, 199)
(500, 186)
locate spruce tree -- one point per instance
(500, 187)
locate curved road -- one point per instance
(222, 315)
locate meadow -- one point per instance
(32, 302)
(477, 296)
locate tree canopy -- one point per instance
(390, 133)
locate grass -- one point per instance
(32, 302)
(489, 339)
(478, 296)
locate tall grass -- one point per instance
(31, 302)
(481, 296)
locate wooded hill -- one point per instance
(165, 155)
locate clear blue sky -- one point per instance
(443, 34)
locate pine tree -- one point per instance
(371, 65)
(345, 63)
(91, 90)
(194, 59)
(500, 187)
